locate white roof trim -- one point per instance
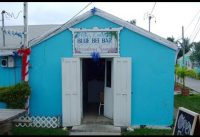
(60, 29)
(111, 18)
(136, 29)
(6, 52)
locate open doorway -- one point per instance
(117, 91)
(93, 80)
(93, 84)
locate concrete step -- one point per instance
(96, 128)
(96, 119)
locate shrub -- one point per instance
(176, 68)
(198, 76)
(15, 96)
(192, 73)
(181, 72)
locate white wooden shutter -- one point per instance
(122, 91)
(71, 105)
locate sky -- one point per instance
(168, 17)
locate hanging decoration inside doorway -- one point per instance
(25, 53)
(95, 56)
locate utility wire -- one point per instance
(76, 14)
(195, 27)
(71, 18)
(81, 10)
(147, 14)
(150, 16)
(192, 20)
(190, 23)
(153, 8)
(11, 15)
(196, 35)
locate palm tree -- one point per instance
(182, 72)
(187, 47)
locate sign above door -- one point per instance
(105, 42)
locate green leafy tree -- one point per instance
(171, 39)
(187, 45)
(133, 21)
(195, 56)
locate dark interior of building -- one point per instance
(93, 74)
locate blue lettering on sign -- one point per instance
(106, 40)
(95, 40)
(85, 40)
(79, 40)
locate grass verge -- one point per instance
(191, 102)
(147, 131)
(38, 131)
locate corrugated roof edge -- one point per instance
(109, 17)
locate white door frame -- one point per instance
(81, 88)
(108, 112)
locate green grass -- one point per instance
(38, 131)
(147, 131)
(191, 102)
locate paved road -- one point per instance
(192, 83)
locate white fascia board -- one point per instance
(136, 29)
(6, 52)
(8, 48)
(111, 18)
(60, 28)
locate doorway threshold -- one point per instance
(96, 119)
(95, 129)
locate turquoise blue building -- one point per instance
(93, 53)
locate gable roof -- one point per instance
(186, 54)
(34, 31)
(109, 17)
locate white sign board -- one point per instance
(102, 41)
